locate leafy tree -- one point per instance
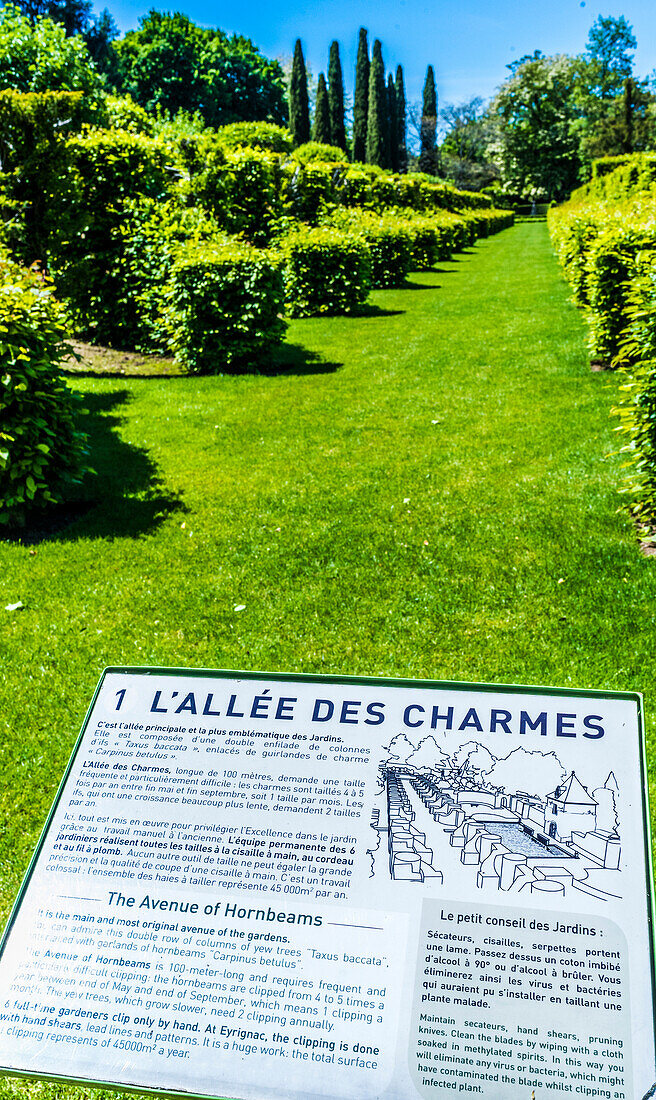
(159, 62)
(401, 120)
(428, 156)
(173, 64)
(99, 37)
(361, 99)
(610, 47)
(321, 128)
(393, 122)
(238, 84)
(464, 153)
(536, 148)
(36, 56)
(336, 98)
(378, 138)
(299, 106)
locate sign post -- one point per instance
(253, 883)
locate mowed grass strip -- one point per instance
(427, 490)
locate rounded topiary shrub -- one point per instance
(41, 450)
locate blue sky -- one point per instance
(468, 42)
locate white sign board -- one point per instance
(255, 884)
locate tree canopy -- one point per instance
(172, 63)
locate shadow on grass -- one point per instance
(379, 311)
(421, 286)
(294, 359)
(124, 497)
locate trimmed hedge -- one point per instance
(240, 188)
(255, 135)
(605, 237)
(105, 171)
(222, 309)
(33, 130)
(41, 450)
(637, 405)
(150, 238)
(325, 270)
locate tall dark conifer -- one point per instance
(393, 123)
(378, 117)
(299, 106)
(401, 120)
(361, 99)
(428, 153)
(336, 98)
(321, 129)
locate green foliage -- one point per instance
(428, 156)
(392, 114)
(122, 113)
(321, 126)
(307, 188)
(336, 98)
(33, 129)
(600, 236)
(388, 240)
(151, 236)
(319, 153)
(37, 56)
(611, 263)
(240, 187)
(41, 451)
(361, 99)
(399, 88)
(105, 171)
(223, 307)
(534, 111)
(299, 104)
(171, 63)
(256, 135)
(636, 408)
(325, 271)
(378, 137)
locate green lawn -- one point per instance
(428, 490)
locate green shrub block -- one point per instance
(151, 237)
(41, 451)
(33, 131)
(223, 307)
(240, 188)
(611, 263)
(325, 271)
(308, 188)
(106, 170)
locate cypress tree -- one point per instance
(401, 121)
(428, 154)
(336, 98)
(299, 107)
(393, 124)
(378, 117)
(361, 99)
(321, 129)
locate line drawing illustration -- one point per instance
(522, 823)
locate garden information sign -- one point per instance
(253, 884)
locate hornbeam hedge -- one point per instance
(605, 239)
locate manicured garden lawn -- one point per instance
(428, 490)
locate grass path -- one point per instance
(424, 491)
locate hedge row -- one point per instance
(602, 245)
(41, 450)
(605, 238)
